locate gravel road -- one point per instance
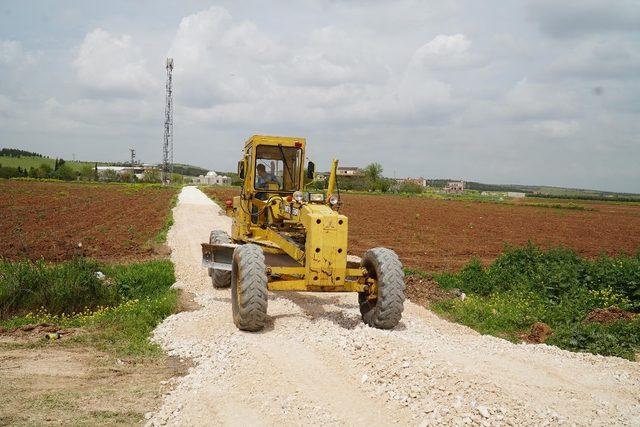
(317, 364)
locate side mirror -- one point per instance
(241, 169)
(311, 169)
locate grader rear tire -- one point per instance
(384, 309)
(219, 278)
(249, 288)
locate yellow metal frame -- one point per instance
(322, 264)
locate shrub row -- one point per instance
(557, 287)
(76, 285)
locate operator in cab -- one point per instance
(265, 178)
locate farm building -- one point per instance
(422, 182)
(138, 170)
(454, 187)
(515, 195)
(349, 171)
(212, 178)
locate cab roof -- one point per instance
(287, 141)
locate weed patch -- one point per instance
(117, 306)
(556, 287)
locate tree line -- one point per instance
(14, 152)
(89, 172)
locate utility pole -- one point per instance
(133, 160)
(167, 146)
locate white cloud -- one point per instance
(327, 77)
(571, 18)
(13, 54)
(556, 128)
(112, 65)
(445, 51)
(600, 58)
(536, 101)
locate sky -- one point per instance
(520, 92)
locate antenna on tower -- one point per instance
(167, 146)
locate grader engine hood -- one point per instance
(326, 245)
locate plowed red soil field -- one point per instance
(48, 220)
(443, 235)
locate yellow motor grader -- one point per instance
(285, 238)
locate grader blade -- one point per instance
(218, 257)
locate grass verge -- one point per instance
(116, 306)
(161, 237)
(589, 305)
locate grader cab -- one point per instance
(285, 238)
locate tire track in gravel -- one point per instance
(317, 364)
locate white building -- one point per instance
(138, 171)
(348, 171)
(212, 178)
(516, 195)
(454, 187)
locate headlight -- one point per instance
(333, 200)
(298, 196)
(316, 197)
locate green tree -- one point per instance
(374, 179)
(87, 173)
(152, 175)
(176, 178)
(64, 172)
(108, 175)
(42, 171)
(410, 187)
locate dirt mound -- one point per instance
(539, 333)
(424, 290)
(608, 315)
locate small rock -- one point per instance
(100, 275)
(148, 415)
(364, 378)
(483, 411)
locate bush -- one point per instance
(67, 287)
(64, 173)
(556, 273)
(557, 287)
(73, 286)
(621, 338)
(410, 187)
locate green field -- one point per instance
(33, 162)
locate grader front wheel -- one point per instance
(382, 306)
(249, 288)
(219, 278)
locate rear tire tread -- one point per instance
(249, 288)
(386, 312)
(219, 278)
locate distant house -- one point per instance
(516, 195)
(212, 178)
(454, 187)
(349, 171)
(422, 182)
